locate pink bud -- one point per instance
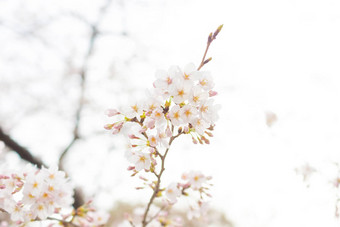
(143, 129)
(111, 112)
(168, 132)
(154, 162)
(2, 186)
(209, 134)
(187, 185)
(19, 184)
(186, 129)
(89, 219)
(143, 178)
(131, 136)
(130, 168)
(117, 127)
(150, 124)
(108, 126)
(212, 93)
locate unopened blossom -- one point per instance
(111, 112)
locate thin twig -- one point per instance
(83, 76)
(211, 38)
(156, 189)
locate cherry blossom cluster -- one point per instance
(34, 194)
(180, 103)
(161, 218)
(88, 216)
(38, 194)
(192, 182)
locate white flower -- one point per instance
(41, 210)
(165, 80)
(34, 184)
(162, 137)
(205, 81)
(188, 113)
(198, 211)
(158, 116)
(151, 102)
(200, 125)
(141, 160)
(197, 96)
(196, 179)
(189, 74)
(175, 115)
(208, 111)
(180, 92)
(52, 175)
(172, 192)
(134, 110)
(99, 218)
(153, 141)
(15, 209)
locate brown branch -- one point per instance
(83, 76)
(156, 189)
(211, 38)
(20, 150)
(27, 156)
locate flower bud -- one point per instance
(130, 168)
(212, 93)
(209, 134)
(111, 112)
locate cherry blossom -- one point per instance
(172, 192)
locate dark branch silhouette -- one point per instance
(20, 150)
(83, 75)
(26, 155)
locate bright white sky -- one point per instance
(277, 56)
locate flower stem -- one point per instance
(156, 189)
(211, 38)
